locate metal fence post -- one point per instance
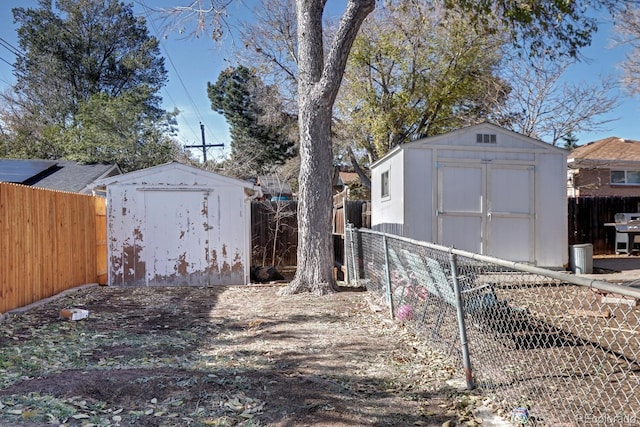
(345, 251)
(466, 361)
(387, 275)
(356, 272)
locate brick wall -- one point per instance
(595, 182)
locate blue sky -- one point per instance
(192, 62)
(603, 59)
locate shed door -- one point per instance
(486, 209)
(177, 236)
(461, 210)
(510, 212)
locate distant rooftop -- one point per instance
(271, 184)
(63, 175)
(611, 148)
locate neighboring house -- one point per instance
(60, 175)
(273, 188)
(482, 189)
(337, 183)
(175, 224)
(346, 178)
(607, 167)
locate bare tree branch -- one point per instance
(628, 31)
(195, 19)
(354, 15)
(545, 107)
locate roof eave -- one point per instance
(595, 163)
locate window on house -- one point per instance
(486, 138)
(625, 177)
(384, 184)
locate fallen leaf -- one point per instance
(80, 416)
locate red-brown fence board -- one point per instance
(587, 216)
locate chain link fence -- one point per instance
(564, 347)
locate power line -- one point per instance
(4, 60)
(11, 48)
(146, 11)
(184, 87)
(174, 103)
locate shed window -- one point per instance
(486, 138)
(625, 177)
(384, 184)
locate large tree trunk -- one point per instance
(318, 84)
(315, 245)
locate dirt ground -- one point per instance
(224, 356)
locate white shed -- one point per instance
(482, 189)
(178, 225)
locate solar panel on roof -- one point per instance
(20, 171)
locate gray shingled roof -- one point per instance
(65, 175)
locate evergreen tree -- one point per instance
(80, 54)
(260, 129)
(570, 141)
(81, 48)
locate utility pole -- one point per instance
(204, 146)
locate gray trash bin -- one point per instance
(581, 258)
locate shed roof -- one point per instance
(445, 139)
(145, 176)
(608, 149)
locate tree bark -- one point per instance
(318, 84)
(366, 181)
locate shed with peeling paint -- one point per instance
(178, 225)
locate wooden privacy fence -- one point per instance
(274, 233)
(50, 241)
(345, 211)
(357, 212)
(587, 216)
(276, 223)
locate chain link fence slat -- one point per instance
(566, 348)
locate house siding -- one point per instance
(595, 182)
